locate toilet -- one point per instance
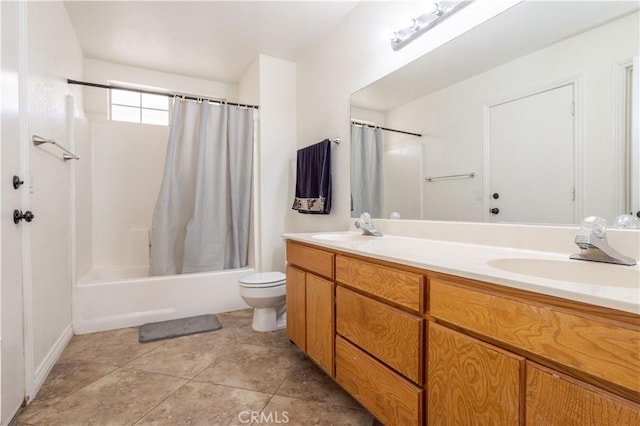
(265, 292)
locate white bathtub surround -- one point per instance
(124, 163)
(108, 299)
(554, 274)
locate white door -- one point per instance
(12, 370)
(531, 158)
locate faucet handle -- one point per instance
(594, 225)
(366, 218)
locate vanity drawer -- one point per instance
(390, 397)
(402, 288)
(317, 261)
(597, 347)
(391, 335)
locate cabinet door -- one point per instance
(471, 382)
(389, 396)
(320, 322)
(554, 399)
(296, 307)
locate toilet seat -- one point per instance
(263, 280)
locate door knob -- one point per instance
(495, 210)
(17, 182)
(18, 216)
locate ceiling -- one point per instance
(214, 40)
(530, 26)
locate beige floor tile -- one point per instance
(198, 403)
(308, 413)
(248, 313)
(236, 369)
(19, 423)
(117, 347)
(66, 377)
(237, 328)
(120, 398)
(277, 338)
(260, 368)
(183, 356)
(310, 383)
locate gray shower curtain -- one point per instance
(201, 217)
(366, 171)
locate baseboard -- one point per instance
(50, 360)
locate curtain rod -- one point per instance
(153, 92)
(360, 123)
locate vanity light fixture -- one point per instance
(437, 13)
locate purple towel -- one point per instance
(313, 179)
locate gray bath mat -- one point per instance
(179, 327)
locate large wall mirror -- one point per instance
(531, 117)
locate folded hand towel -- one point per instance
(313, 179)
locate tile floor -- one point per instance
(218, 378)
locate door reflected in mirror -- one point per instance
(527, 118)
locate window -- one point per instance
(136, 107)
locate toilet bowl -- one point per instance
(265, 292)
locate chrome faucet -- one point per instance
(366, 225)
(594, 246)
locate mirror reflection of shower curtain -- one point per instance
(201, 217)
(366, 171)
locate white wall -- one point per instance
(277, 151)
(54, 55)
(249, 93)
(452, 119)
(356, 53)
(371, 116)
(102, 72)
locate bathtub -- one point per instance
(107, 299)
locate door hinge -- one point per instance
(573, 109)
(573, 193)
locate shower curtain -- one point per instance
(366, 171)
(201, 217)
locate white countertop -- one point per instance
(542, 272)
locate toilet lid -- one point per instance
(263, 278)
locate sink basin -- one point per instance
(572, 270)
(341, 236)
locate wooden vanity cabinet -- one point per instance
(557, 399)
(380, 338)
(310, 303)
(418, 347)
(472, 375)
(390, 397)
(297, 306)
(471, 382)
(320, 322)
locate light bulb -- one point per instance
(431, 7)
(426, 19)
